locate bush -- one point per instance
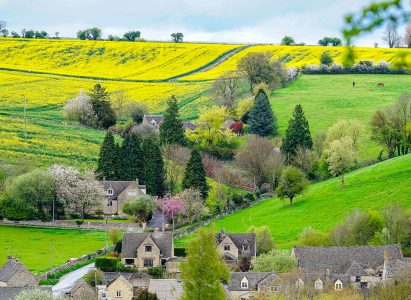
(274, 261)
(362, 67)
(146, 295)
(180, 252)
(326, 59)
(312, 237)
(156, 272)
(93, 277)
(16, 209)
(106, 264)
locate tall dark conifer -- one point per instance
(195, 175)
(100, 101)
(132, 158)
(108, 162)
(171, 129)
(297, 135)
(262, 121)
(153, 168)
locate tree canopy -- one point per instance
(195, 175)
(171, 129)
(262, 121)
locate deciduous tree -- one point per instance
(141, 208)
(391, 36)
(175, 161)
(288, 41)
(226, 88)
(277, 261)
(203, 270)
(193, 204)
(132, 35)
(292, 182)
(172, 207)
(80, 109)
(177, 37)
(264, 240)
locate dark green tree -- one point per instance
(132, 158)
(262, 121)
(195, 175)
(153, 168)
(171, 129)
(326, 59)
(107, 166)
(99, 99)
(297, 135)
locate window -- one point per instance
(110, 192)
(132, 193)
(149, 248)
(129, 261)
(244, 284)
(110, 203)
(227, 247)
(338, 285)
(318, 285)
(118, 294)
(246, 247)
(357, 278)
(148, 263)
(274, 289)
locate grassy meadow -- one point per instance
(325, 204)
(32, 245)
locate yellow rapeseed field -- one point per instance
(108, 59)
(298, 56)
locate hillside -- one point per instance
(326, 203)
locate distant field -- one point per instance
(32, 245)
(108, 59)
(326, 203)
(298, 56)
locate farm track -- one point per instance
(214, 63)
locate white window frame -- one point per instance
(244, 284)
(118, 294)
(338, 286)
(110, 192)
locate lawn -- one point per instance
(325, 204)
(32, 245)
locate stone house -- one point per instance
(339, 267)
(120, 289)
(153, 120)
(234, 245)
(14, 274)
(81, 290)
(145, 250)
(253, 285)
(118, 193)
(166, 289)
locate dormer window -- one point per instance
(244, 283)
(227, 247)
(148, 248)
(110, 192)
(246, 248)
(153, 123)
(338, 285)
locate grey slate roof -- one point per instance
(80, 283)
(132, 240)
(355, 270)
(254, 278)
(11, 267)
(166, 289)
(118, 187)
(189, 125)
(239, 239)
(339, 259)
(10, 293)
(148, 118)
(110, 277)
(397, 267)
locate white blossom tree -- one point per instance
(193, 204)
(80, 109)
(341, 156)
(65, 181)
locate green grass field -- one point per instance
(325, 204)
(32, 245)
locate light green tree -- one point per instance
(204, 269)
(264, 240)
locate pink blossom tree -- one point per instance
(172, 207)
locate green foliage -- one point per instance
(156, 272)
(106, 263)
(292, 182)
(326, 59)
(94, 277)
(275, 261)
(153, 168)
(288, 41)
(115, 235)
(312, 237)
(36, 294)
(262, 121)
(180, 252)
(171, 129)
(204, 268)
(297, 135)
(29, 196)
(99, 99)
(195, 175)
(89, 34)
(330, 41)
(132, 35)
(141, 208)
(146, 295)
(132, 158)
(264, 240)
(177, 37)
(108, 161)
(136, 111)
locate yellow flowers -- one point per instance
(107, 59)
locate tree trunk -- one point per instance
(291, 200)
(342, 179)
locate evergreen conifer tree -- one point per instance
(99, 99)
(132, 158)
(153, 168)
(107, 166)
(262, 121)
(297, 135)
(195, 175)
(171, 129)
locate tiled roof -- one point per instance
(119, 186)
(254, 278)
(11, 267)
(166, 289)
(339, 259)
(397, 267)
(132, 240)
(239, 239)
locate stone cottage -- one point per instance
(338, 266)
(118, 193)
(233, 245)
(153, 120)
(145, 250)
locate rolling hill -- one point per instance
(326, 203)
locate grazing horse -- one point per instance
(380, 84)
